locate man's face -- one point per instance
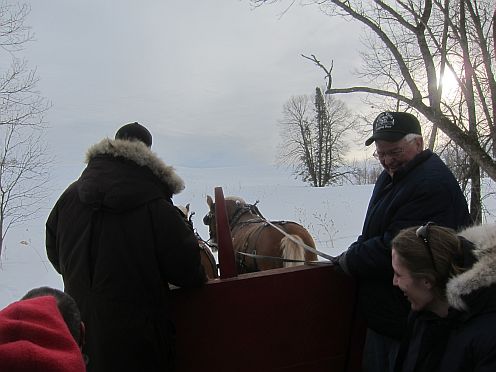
(393, 155)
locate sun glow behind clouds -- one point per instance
(449, 83)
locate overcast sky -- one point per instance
(209, 78)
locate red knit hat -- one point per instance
(34, 337)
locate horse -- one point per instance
(257, 243)
(207, 258)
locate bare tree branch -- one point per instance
(328, 72)
(23, 159)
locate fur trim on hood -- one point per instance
(139, 153)
(483, 272)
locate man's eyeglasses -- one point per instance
(393, 154)
(379, 155)
(423, 233)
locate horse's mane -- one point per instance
(235, 199)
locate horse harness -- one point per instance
(252, 241)
(242, 254)
(252, 208)
(247, 208)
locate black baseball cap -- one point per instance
(392, 126)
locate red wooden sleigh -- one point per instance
(302, 318)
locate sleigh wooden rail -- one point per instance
(293, 319)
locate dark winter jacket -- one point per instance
(464, 341)
(117, 240)
(423, 190)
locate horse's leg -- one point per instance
(292, 251)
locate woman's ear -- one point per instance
(427, 283)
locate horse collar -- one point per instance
(237, 215)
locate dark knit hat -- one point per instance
(134, 131)
(393, 126)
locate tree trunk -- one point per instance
(475, 193)
(494, 107)
(1, 236)
(432, 138)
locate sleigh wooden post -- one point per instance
(227, 264)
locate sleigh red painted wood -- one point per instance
(303, 318)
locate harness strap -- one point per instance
(252, 208)
(211, 259)
(237, 215)
(256, 232)
(208, 243)
(258, 256)
(306, 247)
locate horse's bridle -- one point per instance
(233, 221)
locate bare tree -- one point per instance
(366, 172)
(23, 159)
(411, 46)
(313, 138)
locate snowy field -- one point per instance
(333, 215)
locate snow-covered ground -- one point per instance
(333, 215)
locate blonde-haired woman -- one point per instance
(450, 282)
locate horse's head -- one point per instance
(209, 218)
(186, 214)
(184, 210)
(233, 204)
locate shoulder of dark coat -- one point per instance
(140, 154)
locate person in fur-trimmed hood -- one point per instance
(450, 281)
(117, 240)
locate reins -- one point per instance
(206, 242)
(254, 209)
(301, 244)
(273, 258)
(198, 236)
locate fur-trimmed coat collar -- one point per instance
(139, 153)
(483, 273)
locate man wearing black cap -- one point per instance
(117, 240)
(415, 187)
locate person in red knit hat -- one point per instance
(34, 337)
(68, 308)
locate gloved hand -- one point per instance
(339, 263)
(334, 260)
